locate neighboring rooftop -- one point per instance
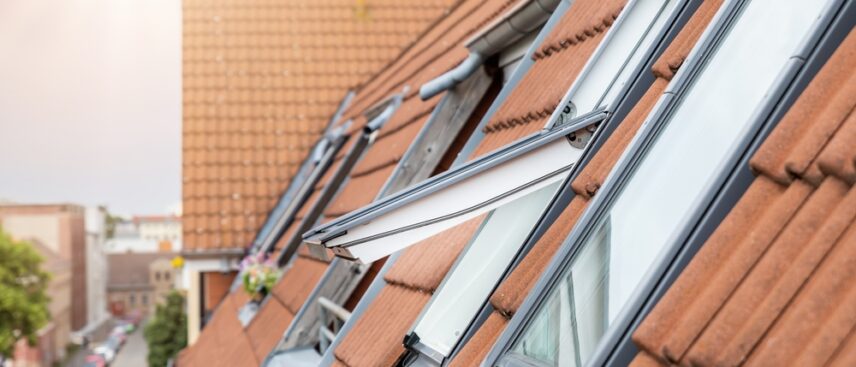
(261, 79)
(131, 269)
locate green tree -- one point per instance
(166, 334)
(23, 301)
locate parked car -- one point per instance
(109, 348)
(94, 360)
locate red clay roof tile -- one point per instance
(423, 265)
(510, 294)
(298, 281)
(809, 126)
(376, 338)
(480, 344)
(267, 327)
(258, 90)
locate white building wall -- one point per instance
(96, 268)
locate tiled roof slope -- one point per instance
(431, 55)
(776, 282)
(511, 293)
(260, 80)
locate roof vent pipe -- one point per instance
(523, 18)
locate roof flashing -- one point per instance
(521, 20)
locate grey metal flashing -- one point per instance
(323, 233)
(444, 125)
(523, 19)
(600, 204)
(525, 63)
(735, 185)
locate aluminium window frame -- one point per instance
(320, 235)
(758, 124)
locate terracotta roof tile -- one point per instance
(358, 192)
(809, 126)
(267, 327)
(838, 157)
(480, 344)
(298, 281)
(774, 283)
(260, 81)
(594, 173)
(225, 343)
(433, 54)
(424, 265)
(376, 338)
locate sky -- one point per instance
(90, 103)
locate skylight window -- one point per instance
(469, 284)
(671, 176)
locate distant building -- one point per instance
(138, 281)
(96, 269)
(146, 234)
(59, 228)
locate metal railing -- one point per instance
(332, 317)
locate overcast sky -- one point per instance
(90, 103)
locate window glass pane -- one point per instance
(673, 173)
(467, 287)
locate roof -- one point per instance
(261, 79)
(510, 294)
(774, 282)
(367, 177)
(132, 269)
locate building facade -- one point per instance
(61, 229)
(137, 282)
